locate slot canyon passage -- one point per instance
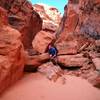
(26, 70)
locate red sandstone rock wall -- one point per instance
(51, 18)
(81, 20)
(78, 38)
(23, 18)
(79, 34)
(50, 15)
(11, 53)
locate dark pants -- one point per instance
(54, 60)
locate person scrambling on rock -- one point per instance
(52, 50)
(51, 69)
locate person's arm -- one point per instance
(55, 52)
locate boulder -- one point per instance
(42, 40)
(12, 57)
(36, 60)
(94, 78)
(52, 72)
(72, 45)
(97, 42)
(96, 82)
(72, 60)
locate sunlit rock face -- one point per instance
(81, 17)
(79, 32)
(50, 15)
(41, 41)
(22, 17)
(11, 53)
(3, 17)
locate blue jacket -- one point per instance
(53, 51)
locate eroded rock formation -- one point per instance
(79, 33)
(50, 15)
(78, 39)
(22, 17)
(51, 18)
(11, 53)
(41, 41)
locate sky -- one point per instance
(59, 4)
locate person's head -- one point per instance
(49, 46)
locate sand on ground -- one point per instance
(35, 86)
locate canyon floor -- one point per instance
(36, 86)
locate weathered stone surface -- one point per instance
(90, 26)
(94, 78)
(36, 60)
(67, 48)
(3, 17)
(81, 18)
(49, 26)
(96, 82)
(72, 60)
(68, 42)
(4, 72)
(41, 41)
(12, 59)
(50, 15)
(89, 18)
(79, 32)
(70, 22)
(96, 62)
(72, 45)
(97, 42)
(53, 72)
(22, 17)
(74, 1)
(11, 55)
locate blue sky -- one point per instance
(59, 4)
